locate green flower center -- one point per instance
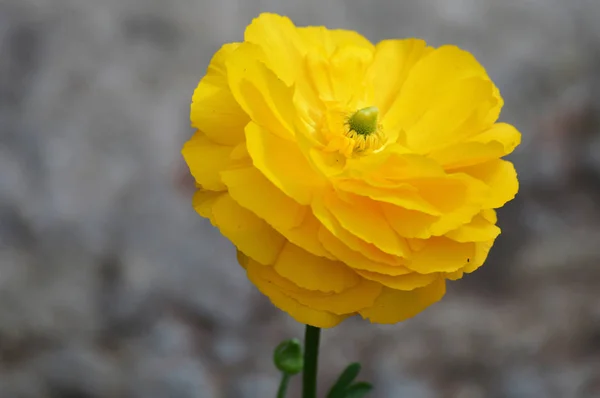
(364, 121)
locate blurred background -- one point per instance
(112, 287)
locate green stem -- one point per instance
(285, 380)
(311, 357)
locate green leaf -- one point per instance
(358, 390)
(345, 379)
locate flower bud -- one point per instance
(288, 357)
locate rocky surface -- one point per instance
(111, 287)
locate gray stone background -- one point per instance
(112, 287)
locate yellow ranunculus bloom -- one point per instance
(353, 178)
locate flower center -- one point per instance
(356, 135)
(364, 121)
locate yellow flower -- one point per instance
(353, 178)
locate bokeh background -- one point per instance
(112, 287)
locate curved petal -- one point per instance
(246, 231)
(440, 254)
(482, 249)
(357, 259)
(391, 64)
(283, 164)
(260, 93)
(362, 218)
(349, 301)
(498, 141)
(205, 160)
(253, 191)
(501, 178)
(313, 273)
(401, 282)
(478, 230)
(427, 80)
(466, 107)
(394, 306)
(328, 40)
(301, 313)
(280, 40)
(214, 111)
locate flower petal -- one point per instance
(392, 63)
(313, 273)
(500, 176)
(283, 164)
(478, 230)
(429, 78)
(301, 313)
(248, 187)
(440, 254)
(350, 213)
(260, 93)
(214, 111)
(407, 282)
(246, 231)
(205, 160)
(349, 301)
(467, 107)
(394, 306)
(498, 141)
(280, 41)
(357, 259)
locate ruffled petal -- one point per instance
(214, 111)
(246, 231)
(260, 93)
(478, 230)
(351, 214)
(281, 43)
(501, 178)
(407, 282)
(283, 163)
(205, 160)
(498, 141)
(313, 273)
(301, 313)
(393, 306)
(349, 301)
(392, 62)
(428, 80)
(440, 254)
(357, 259)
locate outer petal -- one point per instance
(214, 111)
(328, 40)
(350, 213)
(466, 107)
(258, 90)
(394, 306)
(249, 234)
(314, 273)
(498, 141)
(253, 191)
(500, 176)
(357, 259)
(428, 79)
(205, 160)
(402, 282)
(391, 65)
(301, 313)
(440, 254)
(279, 39)
(357, 297)
(283, 164)
(478, 230)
